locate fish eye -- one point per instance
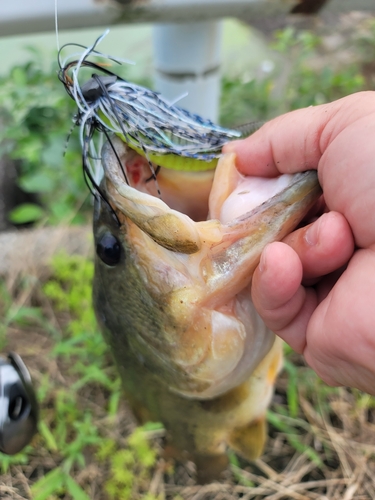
(108, 249)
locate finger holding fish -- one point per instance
(306, 256)
(336, 139)
(322, 246)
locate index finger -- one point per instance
(296, 141)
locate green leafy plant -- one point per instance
(311, 82)
(299, 81)
(19, 314)
(36, 118)
(130, 468)
(7, 460)
(67, 429)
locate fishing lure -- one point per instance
(165, 134)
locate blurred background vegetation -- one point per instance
(292, 69)
(88, 447)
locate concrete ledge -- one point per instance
(19, 17)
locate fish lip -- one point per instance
(174, 230)
(169, 228)
(112, 152)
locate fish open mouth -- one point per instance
(223, 194)
(185, 191)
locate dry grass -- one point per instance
(335, 429)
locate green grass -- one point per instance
(69, 429)
(82, 433)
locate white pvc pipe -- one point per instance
(187, 59)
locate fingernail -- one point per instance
(263, 260)
(312, 232)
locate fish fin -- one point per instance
(210, 466)
(250, 439)
(275, 366)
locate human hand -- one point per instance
(317, 289)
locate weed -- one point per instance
(36, 117)
(289, 427)
(57, 482)
(311, 82)
(67, 428)
(6, 461)
(301, 81)
(130, 468)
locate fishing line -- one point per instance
(57, 28)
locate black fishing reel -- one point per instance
(18, 405)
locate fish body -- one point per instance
(178, 235)
(172, 296)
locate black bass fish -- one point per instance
(178, 234)
(172, 296)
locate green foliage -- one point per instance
(300, 80)
(57, 482)
(36, 117)
(291, 428)
(292, 388)
(365, 40)
(238, 473)
(6, 461)
(70, 288)
(246, 101)
(311, 82)
(25, 213)
(130, 468)
(67, 427)
(14, 314)
(288, 419)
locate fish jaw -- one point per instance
(190, 319)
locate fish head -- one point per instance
(172, 289)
